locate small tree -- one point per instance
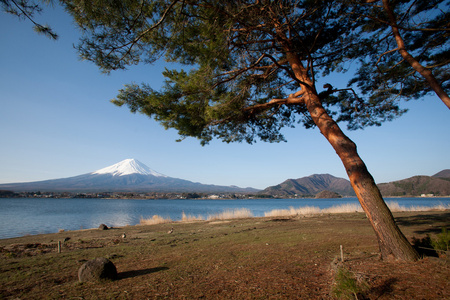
(253, 69)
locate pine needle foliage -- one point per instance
(442, 240)
(383, 72)
(26, 10)
(233, 62)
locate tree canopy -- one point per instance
(238, 84)
(406, 50)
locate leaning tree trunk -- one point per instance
(393, 244)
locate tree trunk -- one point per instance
(393, 244)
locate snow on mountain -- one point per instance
(128, 167)
(128, 175)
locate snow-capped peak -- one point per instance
(127, 167)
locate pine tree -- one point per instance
(251, 69)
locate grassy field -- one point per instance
(252, 258)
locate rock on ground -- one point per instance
(103, 227)
(97, 269)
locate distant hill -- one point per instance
(418, 185)
(327, 194)
(443, 174)
(310, 186)
(128, 175)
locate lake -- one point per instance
(24, 216)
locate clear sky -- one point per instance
(56, 121)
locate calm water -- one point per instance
(22, 216)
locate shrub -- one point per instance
(442, 240)
(424, 246)
(347, 286)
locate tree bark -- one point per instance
(393, 244)
(426, 73)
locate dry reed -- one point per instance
(343, 208)
(191, 218)
(395, 207)
(346, 208)
(154, 220)
(305, 210)
(242, 213)
(238, 213)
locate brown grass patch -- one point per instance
(237, 259)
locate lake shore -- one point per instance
(23, 216)
(264, 257)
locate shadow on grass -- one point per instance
(136, 273)
(385, 288)
(443, 219)
(424, 246)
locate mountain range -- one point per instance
(129, 175)
(438, 184)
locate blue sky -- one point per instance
(56, 121)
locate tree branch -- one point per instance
(290, 100)
(38, 27)
(426, 73)
(142, 34)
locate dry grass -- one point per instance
(154, 220)
(343, 208)
(305, 210)
(312, 210)
(347, 208)
(191, 218)
(243, 213)
(238, 213)
(395, 207)
(252, 258)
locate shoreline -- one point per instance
(278, 257)
(218, 219)
(35, 221)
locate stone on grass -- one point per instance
(103, 227)
(96, 270)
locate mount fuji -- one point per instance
(129, 175)
(128, 167)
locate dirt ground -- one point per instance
(257, 258)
